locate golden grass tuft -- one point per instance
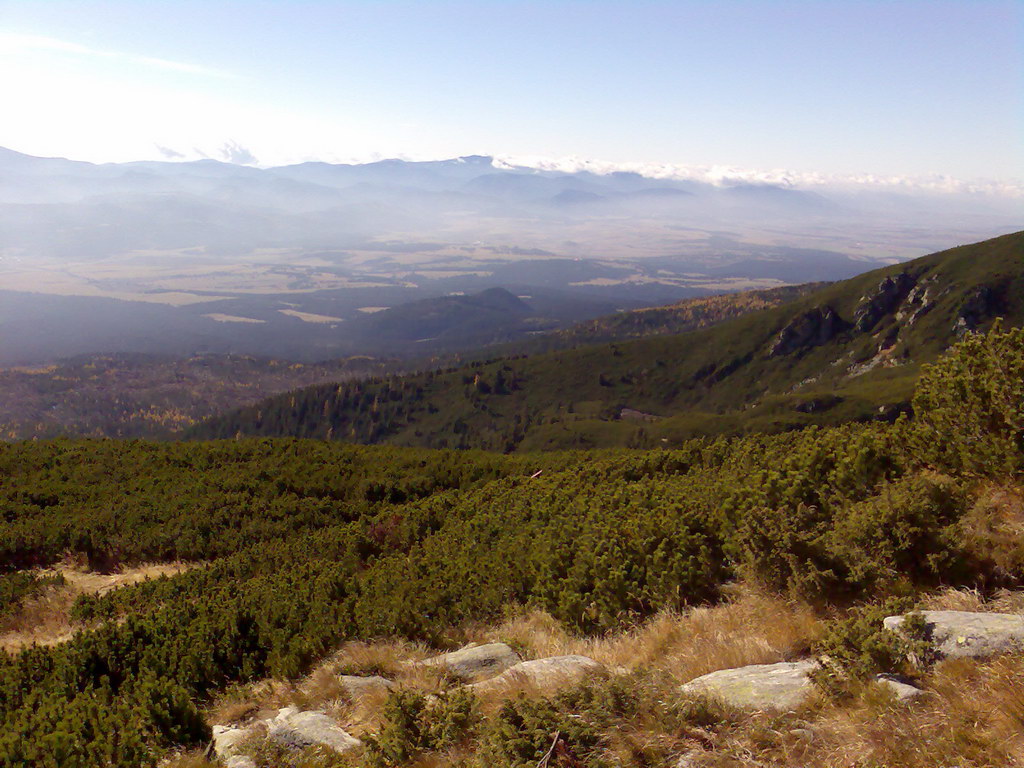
(993, 529)
(45, 619)
(971, 717)
(752, 628)
(974, 716)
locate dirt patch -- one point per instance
(46, 618)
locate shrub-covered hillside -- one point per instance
(848, 352)
(300, 546)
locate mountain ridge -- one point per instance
(850, 351)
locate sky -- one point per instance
(822, 89)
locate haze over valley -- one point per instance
(294, 261)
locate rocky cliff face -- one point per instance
(811, 329)
(980, 305)
(874, 306)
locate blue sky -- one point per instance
(896, 88)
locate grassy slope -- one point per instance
(717, 380)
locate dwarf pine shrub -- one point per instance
(969, 407)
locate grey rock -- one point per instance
(903, 690)
(228, 738)
(296, 729)
(781, 686)
(239, 761)
(872, 308)
(476, 662)
(550, 674)
(811, 329)
(357, 687)
(980, 305)
(963, 634)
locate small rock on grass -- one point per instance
(296, 729)
(476, 662)
(903, 690)
(549, 675)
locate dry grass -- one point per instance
(45, 619)
(974, 716)
(973, 601)
(194, 759)
(752, 628)
(971, 717)
(323, 690)
(994, 528)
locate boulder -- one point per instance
(900, 688)
(296, 729)
(476, 662)
(357, 687)
(781, 686)
(227, 739)
(963, 634)
(548, 675)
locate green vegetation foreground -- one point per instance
(307, 544)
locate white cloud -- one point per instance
(725, 175)
(233, 152)
(170, 154)
(11, 43)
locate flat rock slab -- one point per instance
(357, 687)
(781, 686)
(476, 662)
(548, 675)
(963, 634)
(296, 729)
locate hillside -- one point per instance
(136, 395)
(311, 588)
(679, 317)
(850, 351)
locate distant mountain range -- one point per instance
(847, 351)
(292, 262)
(64, 209)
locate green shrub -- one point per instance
(16, 587)
(906, 534)
(969, 407)
(858, 647)
(415, 724)
(523, 731)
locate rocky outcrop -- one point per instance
(981, 304)
(962, 634)
(817, 404)
(296, 729)
(548, 675)
(883, 300)
(778, 687)
(919, 302)
(811, 329)
(227, 741)
(476, 662)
